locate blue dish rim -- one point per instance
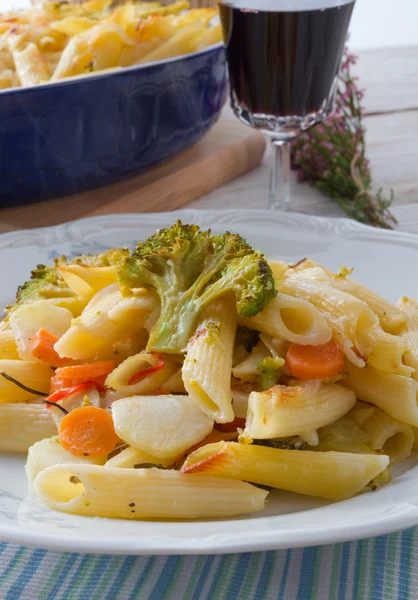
(113, 72)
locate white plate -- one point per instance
(382, 260)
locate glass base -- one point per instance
(278, 127)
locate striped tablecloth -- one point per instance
(385, 567)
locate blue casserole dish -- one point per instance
(77, 134)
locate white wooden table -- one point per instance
(390, 77)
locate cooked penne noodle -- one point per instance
(73, 25)
(130, 458)
(144, 493)
(163, 426)
(391, 320)
(387, 351)
(389, 435)
(141, 363)
(8, 347)
(208, 362)
(21, 425)
(49, 452)
(7, 78)
(86, 281)
(210, 35)
(182, 42)
(34, 375)
(348, 316)
(361, 413)
(390, 317)
(31, 67)
(344, 435)
(107, 318)
(333, 475)
(75, 59)
(285, 411)
(409, 308)
(395, 394)
(292, 319)
(174, 385)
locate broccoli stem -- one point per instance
(171, 333)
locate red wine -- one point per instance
(283, 55)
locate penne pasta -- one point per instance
(22, 425)
(381, 389)
(409, 307)
(146, 363)
(389, 435)
(348, 316)
(86, 280)
(8, 347)
(344, 435)
(298, 410)
(144, 493)
(130, 458)
(31, 67)
(361, 413)
(333, 475)
(390, 317)
(48, 453)
(292, 319)
(107, 318)
(208, 362)
(182, 42)
(35, 375)
(387, 351)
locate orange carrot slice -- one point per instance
(42, 347)
(314, 362)
(88, 431)
(75, 374)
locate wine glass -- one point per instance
(283, 60)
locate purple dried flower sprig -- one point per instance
(332, 156)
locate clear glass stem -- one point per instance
(279, 197)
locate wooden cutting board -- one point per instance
(227, 151)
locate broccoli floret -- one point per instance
(268, 371)
(47, 282)
(190, 268)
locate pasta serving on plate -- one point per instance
(56, 40)
(188, 377)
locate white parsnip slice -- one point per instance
(163, 426)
